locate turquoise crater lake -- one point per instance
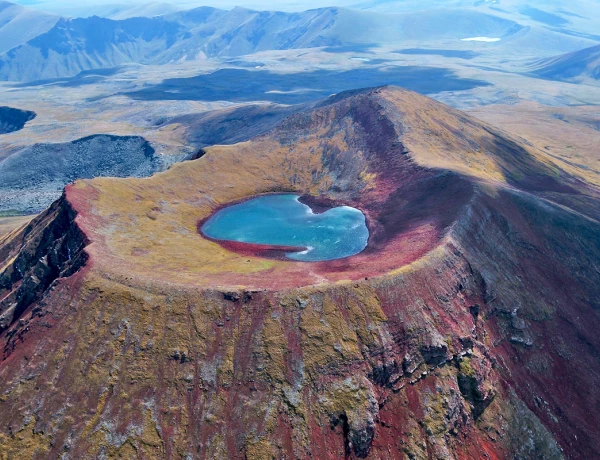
(282, 220)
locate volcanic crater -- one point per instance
(345, 153)
(281, 226)
(126, 333)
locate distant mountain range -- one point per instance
(57, 48)
(577, 66)
(116, 11)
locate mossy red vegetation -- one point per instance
(458, 333)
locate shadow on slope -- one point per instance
(460, 54)
(302, 86)
(230, 126)
(544, 17)
(85, 77)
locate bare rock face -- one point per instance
(466, 329)
(49, 248)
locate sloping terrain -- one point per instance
(300, 87)
(12, 119)
(10, 224)
(578, 66)
(33, 177)
(75, 45)
(569, 16)
(80, 44)
(232, 125)
(569, 135)
(18, 24)
(457, 333)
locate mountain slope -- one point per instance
(576, 17)
(73, 46)
(18, 25)
(578, 66)
(80, 44)
(53, 48)
(242, 31)
(457, 333)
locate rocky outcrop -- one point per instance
(49, 248)
(14, 119)
(33, 177)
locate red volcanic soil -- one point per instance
(269, 251)
(404, 225)
(320, 204)
(488, 347)
(388, 249)
(407, 230)
(408, 212)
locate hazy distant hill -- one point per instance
(19, 25)
(580, 18)
(580, 65)
(76, 45)
(119, 11)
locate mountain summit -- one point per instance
(464, 330)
